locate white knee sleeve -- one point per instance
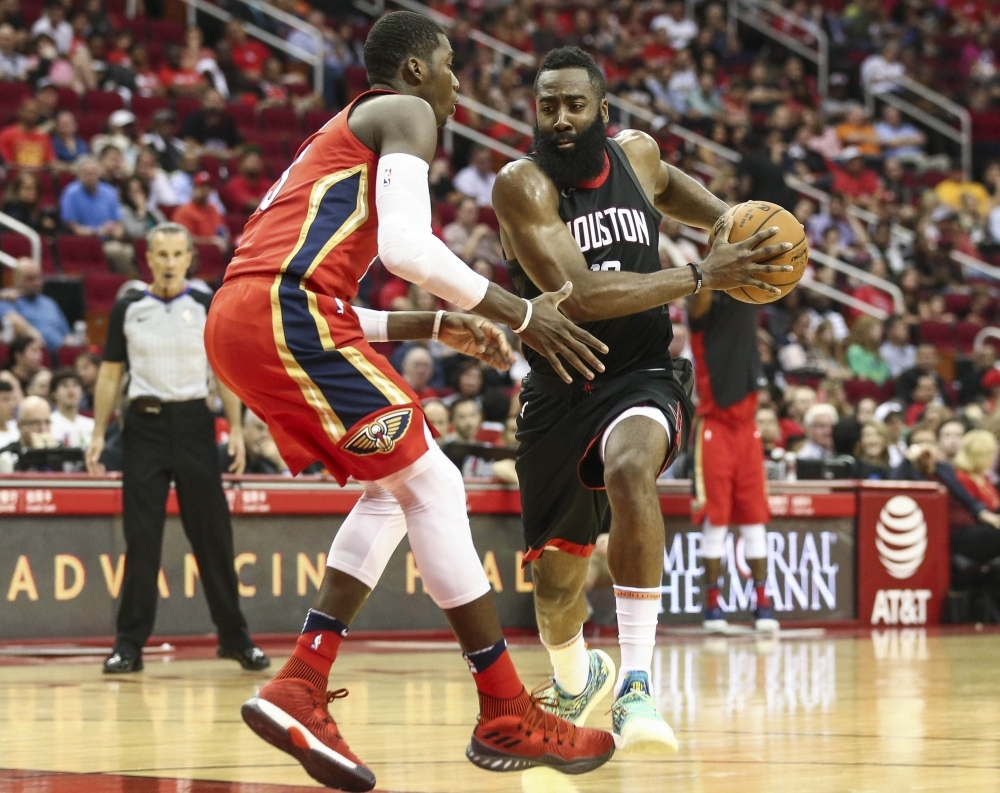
(368, 536)
(431, 495)
(713, 541)
(754, 541)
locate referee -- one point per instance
(169, 435)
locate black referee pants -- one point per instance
(177, 444)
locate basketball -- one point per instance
(754, 216)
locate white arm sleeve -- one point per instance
(406, 244)
(374, 324)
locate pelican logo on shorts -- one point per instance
(380, 436)
(901, 537)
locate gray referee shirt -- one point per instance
(162, 342)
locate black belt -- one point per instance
(153, 406)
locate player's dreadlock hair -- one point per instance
(396, 37)
(572, 58)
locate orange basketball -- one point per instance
(754, 216)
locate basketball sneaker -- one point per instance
(291, 715)
(715, 620)
(636, 724)
(576, 709)
(765, 620)
(537, 738)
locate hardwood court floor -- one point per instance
(892, 710)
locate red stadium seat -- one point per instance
(69, 353)
(79, 255)
(235, 221)
(140, 260)
(271, 144)
(210, 261)
(91, 124)
(106, 102)
(957, 303)
(211, 163)
(940, 334)
(856, 390)
(99, 290)
(184, 106)
(166, 30)
(145, 106)
(63, 180)
(965, 335)
(243, 114)
(489, 217)
(12, 94)
(279, 119)
(68, 100)
(293, 143)
(18, 245)
(314, 119)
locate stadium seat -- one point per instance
(184, 105)
(293, 143)
(166, 30)
(212, 164)
(69, 100)
(13, 94)
(940, 334)
(63, 180)
(243, 114)
(210, 261)
(18, 245)
(279, 119)
(855, 390)
(91, 124)
(271, 144)
(79, 254)
(106, 102)
(957, 303)
(314, 119)
(145, 106)
(489, 217)
(100, 290)
(965, 335)
(68, 353)
(140, 260)
(235, 221)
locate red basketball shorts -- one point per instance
(298, 360)
(730, 484)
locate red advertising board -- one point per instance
(903, 557)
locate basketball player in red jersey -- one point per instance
(283, 336)
(730, 485)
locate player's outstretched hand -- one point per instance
(732, 264)
(477, 337)
(554, 336)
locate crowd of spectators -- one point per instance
(898, 398)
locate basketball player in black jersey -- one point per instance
(587, 207)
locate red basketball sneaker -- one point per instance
(537, 738)
(292, 716)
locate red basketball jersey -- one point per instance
(327, 196)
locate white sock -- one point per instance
(571, 663)
(637, 612)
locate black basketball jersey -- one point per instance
(617, 229)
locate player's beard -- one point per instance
(583, 162)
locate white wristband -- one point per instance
(437, 325)
(527, 318)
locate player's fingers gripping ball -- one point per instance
(753, 216)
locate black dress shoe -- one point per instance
(121, 662)
(251, 657)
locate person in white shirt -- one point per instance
(896, 350)
(8, 407)
(880, 72)
(182, 181)
(477, 178)
(53, 23)
(818, 422)
(69, 428)
(680, 31)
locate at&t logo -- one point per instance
(901, 537)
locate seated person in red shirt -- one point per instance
(249, 55)
(853, 179)
(203, 220)
(21, 145)
(244, 191)
(179, 75)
